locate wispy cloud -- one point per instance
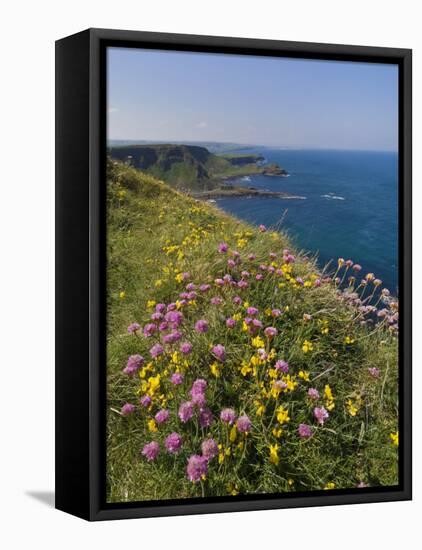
(202, 124)
(112, 110)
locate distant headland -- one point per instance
(196, 171)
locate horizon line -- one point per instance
(252, 145)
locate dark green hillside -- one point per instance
(189, 167)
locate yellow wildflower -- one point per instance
(330, 485)
(245, 369)
(274, 459)
(215, 369)
(260, 408)
(307, 346)
(257, 342)
(151, 304)
(122, 295)
(394, 436)
(304, 375)
(232, 489)
(329, 399)
(152, 426)
(154, 384)
(277, 432)
(352, 409)
(282, 415)
(233, 434)
(349, 340)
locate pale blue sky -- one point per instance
(177, 96)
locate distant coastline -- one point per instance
(238, 191)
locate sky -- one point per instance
(281, 102)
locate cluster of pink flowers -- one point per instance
(198, 399)
(304, 431)
(321, 415)
(127, 409)
(151, 450)
(134, 363)
(219, 352)
(173, 443)
(197, 468)
(282, 366)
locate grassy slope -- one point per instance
(143, 217)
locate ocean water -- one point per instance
(350, 210)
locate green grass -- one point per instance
(155, 233)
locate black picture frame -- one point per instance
(80, 271)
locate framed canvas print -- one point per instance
(233, 243)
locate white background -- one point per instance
(27, 271)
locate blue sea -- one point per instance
(350, 209)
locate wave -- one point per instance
(334, 197)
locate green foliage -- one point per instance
(154, 235)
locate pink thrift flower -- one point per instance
(313, 393)
(162, 416)
(304, 430)
(151, 450)
(145, 401)
(282, 366)
(262, 228)
(156, 351)
(149, 329)
(230, 322)
(173, 442)
(205, 417)
(243, 424)
(270, 332)
(175, 318)
(185, 411)
(201, 326)
(374, 372)
(197, 468)
(228, 416)
(133, 328)
(176, 378)
(134, 363)
(209, 448)
(172, 337)
(127, 409)
(223, 247)
(321, 415)
(186, 348)
(219, 352)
